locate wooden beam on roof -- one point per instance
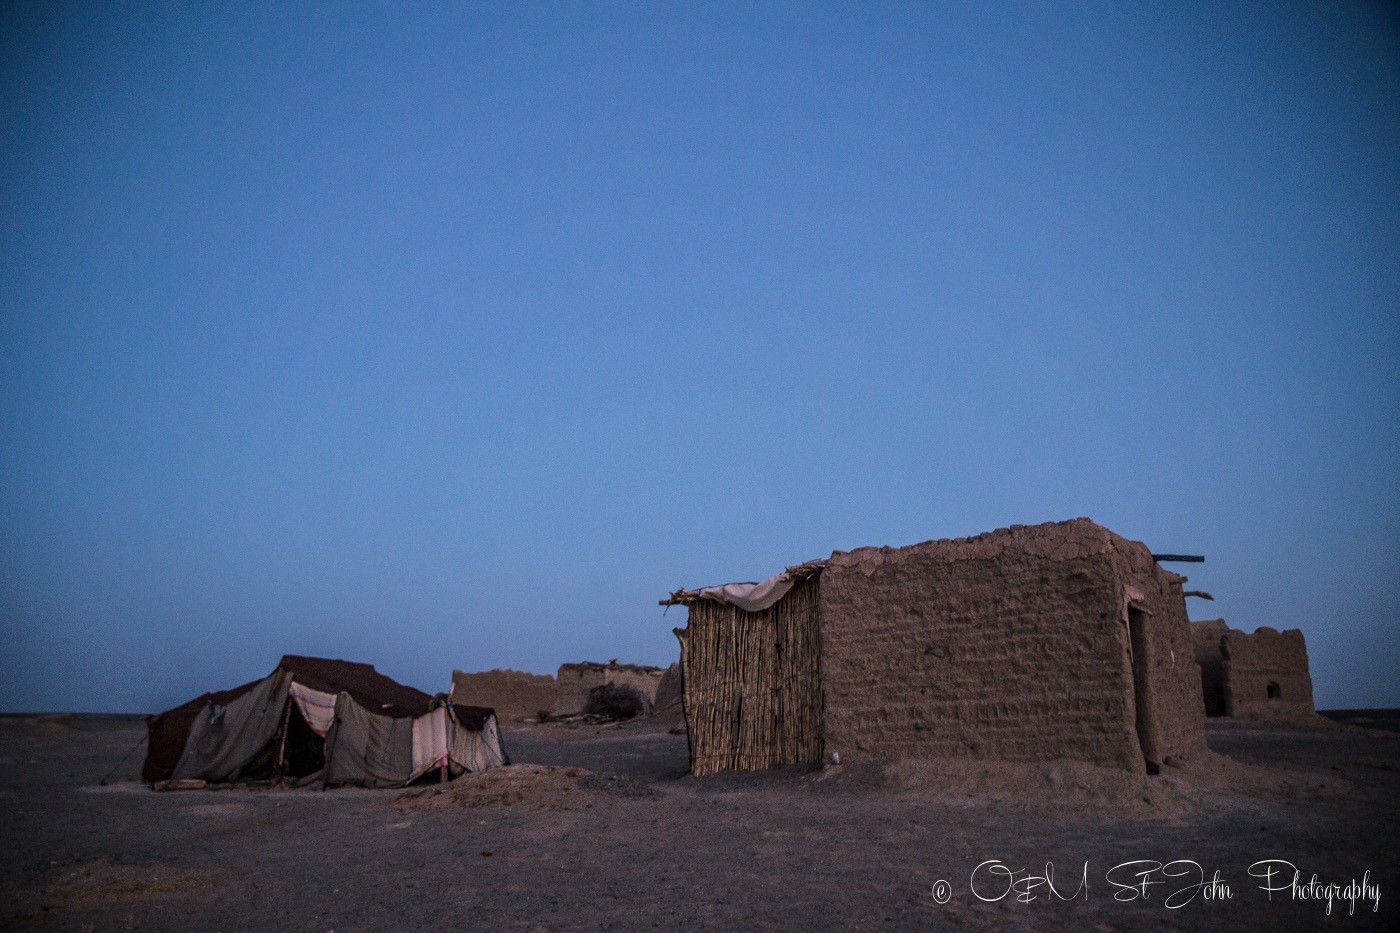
(1181, 558)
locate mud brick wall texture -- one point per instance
(575, 680)
(514, 695)
(1176, 709)
(1207, 635)
(1253, 663)
(1014, 644)
(669, 688)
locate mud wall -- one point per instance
(669, 688)
(514, 695)
(1266, 673)
(1176, 710)
(575, 680)
(1013, 644)
(1207, 635)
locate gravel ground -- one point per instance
(602, 828)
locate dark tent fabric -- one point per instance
(372, 730)
(166, 732)
(371, 689)
(223, 739)
(369, 749)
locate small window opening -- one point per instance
(1274, 691)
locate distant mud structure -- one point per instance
(1061, 640)
(515, 695)
(1263, 674)
(1207, 635)
(574, 682)
(519, 697)
(668, 690)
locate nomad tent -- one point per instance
(342, 722)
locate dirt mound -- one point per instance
(54, 720)
(670, 717)
(43, 721)
(539, 787)
(97, 882)
(1068, 790)
(670, 688)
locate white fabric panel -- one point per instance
(477, 751)
(317, 708)
(495, 758)
(750, 597)
(468, 752)
(429, 741)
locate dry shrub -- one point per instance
(615, 701)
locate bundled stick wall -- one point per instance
(753, 694)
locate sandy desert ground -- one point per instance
(602, 828)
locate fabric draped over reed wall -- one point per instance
(752, 683)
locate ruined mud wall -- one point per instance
(668, 689)
(575, 680)
(1013, 644)
(1207, 635)
(1253, 663)
(514, 695)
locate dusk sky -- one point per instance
(458, 336)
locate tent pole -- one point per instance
(282, 748)
(330, 746)
(446, 721)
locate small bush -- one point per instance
(615, 701)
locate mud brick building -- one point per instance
(1254, 674)
(575, 680)
(1061, 640)
(1207, 635)
(514, 695)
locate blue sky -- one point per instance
(457, 336)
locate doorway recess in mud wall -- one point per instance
(1142, 688)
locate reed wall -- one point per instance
(752, 692)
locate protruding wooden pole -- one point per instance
(282, 747)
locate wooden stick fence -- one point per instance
(752, 683)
